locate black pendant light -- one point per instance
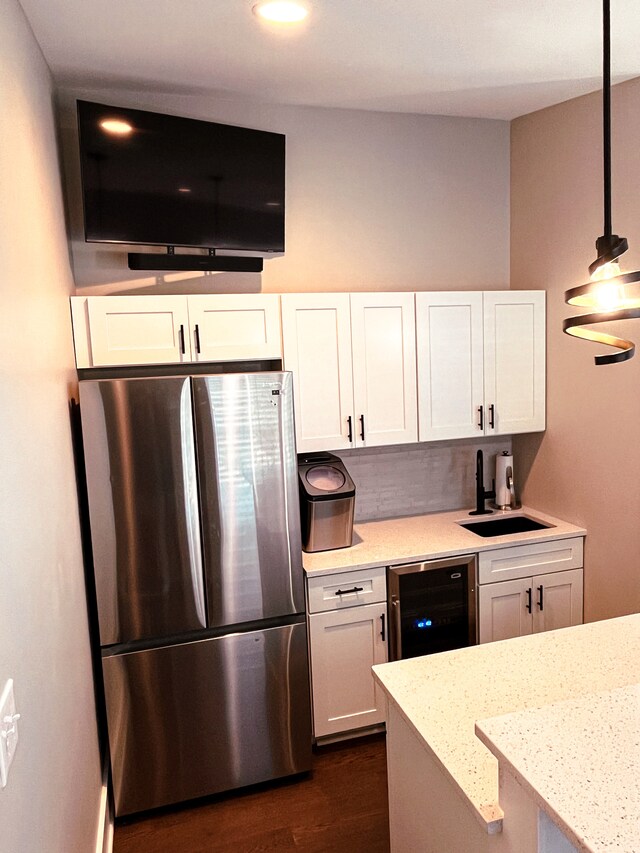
(608, 291)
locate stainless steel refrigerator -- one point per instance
(193, 504)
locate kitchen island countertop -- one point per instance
(579, 761)
(440, 697)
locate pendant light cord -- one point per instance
(606, 113)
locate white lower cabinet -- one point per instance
(530, 605)
(345, 644)
(347, 636)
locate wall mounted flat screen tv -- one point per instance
(156, 179)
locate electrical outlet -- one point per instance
(8, 730)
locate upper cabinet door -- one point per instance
(317, 348)
(384, 368)
(450, 364)
(235, 327)
(137, 330)
(514, 361)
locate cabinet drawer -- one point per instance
(346, 589)
(522, 561)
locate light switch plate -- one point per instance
(8, 730)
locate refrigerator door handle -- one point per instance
(191, 511)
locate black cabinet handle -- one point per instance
(481, 413)
(362, 427)
(348, 591)
(492, 412)
(181, 338)
(528, 605)
(350, 427)
(541, 597)
(197, 330)
(382, 632)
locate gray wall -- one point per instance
(52, 800)
(375, 201)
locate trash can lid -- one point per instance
(326, 478)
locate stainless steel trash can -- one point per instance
(327, 500)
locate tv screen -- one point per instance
(156, 179)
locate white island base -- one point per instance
(446, 794)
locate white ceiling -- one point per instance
(486, 58)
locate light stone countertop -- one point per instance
(580, 762)
(442, 696)
(426, 537)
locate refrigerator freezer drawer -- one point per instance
(208, 716)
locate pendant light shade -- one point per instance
(612, 294)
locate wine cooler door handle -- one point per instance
(396, 637)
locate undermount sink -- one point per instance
(504, 526)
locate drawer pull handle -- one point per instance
(541, 597)
(348, 591)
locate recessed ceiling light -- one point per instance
(116, 126)
(281, 11)
(184, 190)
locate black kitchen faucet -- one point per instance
(481, 495)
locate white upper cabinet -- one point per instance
(383, 344)
(233, 327)
(450, 364)
(514, 360)
(354, 365)
(316, 338)
(119, 330)
(481, 363)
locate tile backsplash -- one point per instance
(419, 478)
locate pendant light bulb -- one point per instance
(608, 297)
(607, 271)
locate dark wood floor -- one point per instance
(341, 807)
